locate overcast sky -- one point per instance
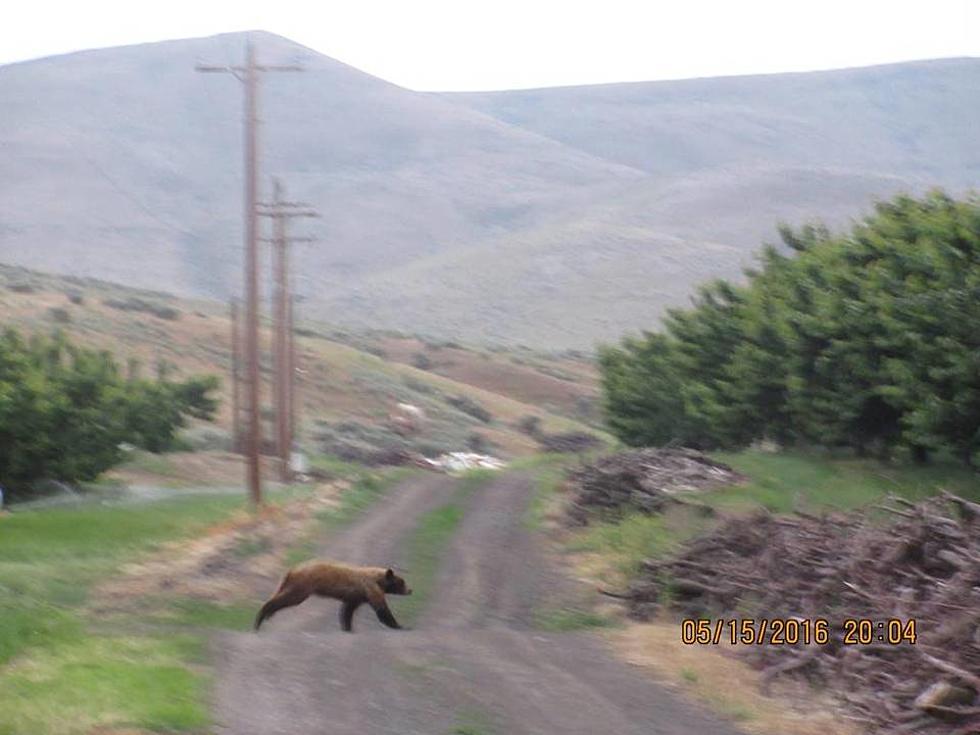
(503, 44)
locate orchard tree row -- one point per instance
(65, 410)
(868, 340)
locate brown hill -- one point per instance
(554, 217)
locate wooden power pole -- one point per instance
(249, 76)
(281, 212)
(236, 379)
(294, 370)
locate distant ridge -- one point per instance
(556, 217)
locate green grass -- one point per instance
(564, 619)
(549, 472)
(634, 537)
(424, 552)
(426, 546)
(811, 482)
(368, 488)
(335, 467)
(95, 680)
(193, 613)
(50, 558)
(472, 722)
(63, 674)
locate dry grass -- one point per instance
(186, 469)
(338, 382)
(503, 373)
(712, 675)
(231, 560)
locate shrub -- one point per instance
(62, 316)
(477, 442)
(470, 407)
(530, 425)
(133, 303)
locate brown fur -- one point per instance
(353, 586)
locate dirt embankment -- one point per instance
(233, 560)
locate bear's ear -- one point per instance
(389, 574)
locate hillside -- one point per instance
(556, 217)
(348, 382)
(124, 164)
(912, 120)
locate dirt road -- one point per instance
(474, 665)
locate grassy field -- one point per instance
(65, 670)
(60, 676)
(50, 558)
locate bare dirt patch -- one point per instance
(233, 560)
(193, 469)
(728, 685)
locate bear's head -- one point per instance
(395, 585)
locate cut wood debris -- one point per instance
(923, 565)
(646, 480)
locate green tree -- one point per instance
(65, 410)
(865, 340)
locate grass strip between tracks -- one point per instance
(427, 545)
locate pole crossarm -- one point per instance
(289, 239)
(276, 209)
(236, 70)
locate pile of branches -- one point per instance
(922, 566)
(646, 480)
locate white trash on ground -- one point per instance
(463, 461)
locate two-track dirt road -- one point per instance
(474, 664)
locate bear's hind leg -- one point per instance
(347, 610)
(278, 602)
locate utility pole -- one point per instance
(236, 357)
(249, 76)
(281, 212)
(293, 370)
